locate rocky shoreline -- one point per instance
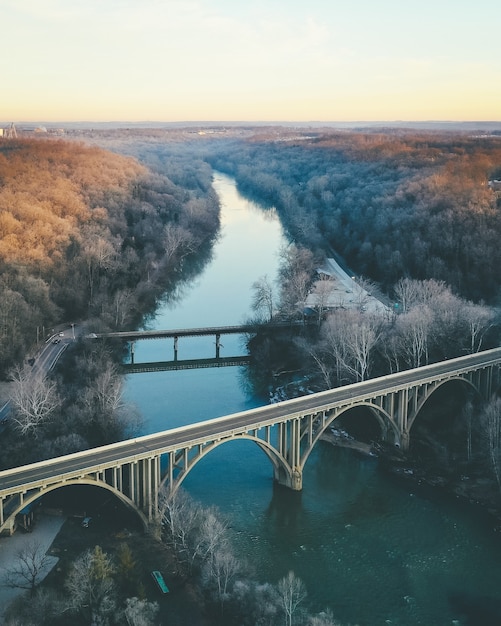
(479, 492)
(476, 491)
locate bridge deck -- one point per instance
(104, 457)
(194, 332)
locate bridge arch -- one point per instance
(285, 431)
(431, 390)
(31, 498)
(383, 418)
(278, 461)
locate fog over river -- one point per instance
(373, 550)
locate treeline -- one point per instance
(391, 204)
(88, 234)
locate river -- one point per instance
(373, 550)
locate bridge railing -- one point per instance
(104, 457)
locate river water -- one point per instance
(373, 550)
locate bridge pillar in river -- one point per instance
(286, 432)
(290, 472)
(292, 479)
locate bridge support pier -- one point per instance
(292, 480)
(289, 445)
(404, 441)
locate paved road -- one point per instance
(178, 438)
(46, 359)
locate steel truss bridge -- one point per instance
(136, 470)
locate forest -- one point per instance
(94, 238)
(86, 234)
(99, 227)
(392, 204)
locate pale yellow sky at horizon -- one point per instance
(269, 60)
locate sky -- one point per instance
(250, 60)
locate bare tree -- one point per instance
(199, 536)
(34, 399)
(323, 619)
(100, 255)
(296, 270)
(389, 347)
(414, 329)
(32, 564)
(259, 603)
(350, 337)
(90, 586)
(322, 291)
(293, 293)
(140, 612)
(448, 328)
(491, 426)
(220, 571)
(108, 390)
(212, 536)
(123, 302)
(406, 292)
(43, 607)
(411, 293)
(180, 516)
(178, 242)
(478, 320)
(263, 299)
(321, 360)
(292, 592)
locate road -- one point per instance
(46, 359)
(237, 423)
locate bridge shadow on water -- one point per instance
(476, 610)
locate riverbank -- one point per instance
(63, 539)
(343, 440)
(478, 492)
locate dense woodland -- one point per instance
(87, 234)
(391, 204)
(91, 235)
(95, 238)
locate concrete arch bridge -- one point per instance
(136, 469)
